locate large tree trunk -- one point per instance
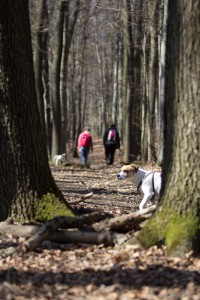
(177, 220)
(27, 189)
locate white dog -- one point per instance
(60, 159)
(147, 182)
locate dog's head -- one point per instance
(127, 171)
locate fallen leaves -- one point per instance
(94, 272)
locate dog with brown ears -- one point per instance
(147, 182)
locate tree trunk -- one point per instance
(132, 112)
(39, 49)
(144, 127)
(152, 78)
(56, 105)
(27, 188)
(127, 112)
(74, 130)
(67, 40)
(161, 82)
(135, 40)
(63, 75)
(177, 219)
(102, 80)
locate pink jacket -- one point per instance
(88, 137)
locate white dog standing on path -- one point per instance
(147, 182)
(60, 159)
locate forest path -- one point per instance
(94, 272)
(109, 194)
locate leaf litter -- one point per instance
(91, 272)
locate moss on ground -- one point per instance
(176, 231)
(50, 206)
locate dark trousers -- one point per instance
(110, 153)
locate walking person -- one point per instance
(85, 144)
(111, 142)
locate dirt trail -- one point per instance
(109, 194)
(89, 272)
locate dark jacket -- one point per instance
(116, 141)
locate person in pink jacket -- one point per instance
(85, 144)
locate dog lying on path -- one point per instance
(60, 159)
(147, 182)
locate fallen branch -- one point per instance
(61, 222)
(18, 230)
(125, 222)
(61, 236)
(106, 237)
(82, 199)
(115, 224)
(42, 233)
(50, 230)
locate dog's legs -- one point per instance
(145, 200)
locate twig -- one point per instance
(82, 199)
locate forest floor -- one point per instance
(82, 271)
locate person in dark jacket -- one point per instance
(111, 142)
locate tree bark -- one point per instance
(161, 83)
(127, 110)
(40, 47)
(177, 219)
(69, 25)
(27, 188)
(132, 107)
(56, 68)
(152, 78)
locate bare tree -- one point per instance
(41, 59)
(161, 84)
(70, 18)
(118, 80)
(149, 80)
(132, 100)
(176, 221)
(27, 188)
(56, 68)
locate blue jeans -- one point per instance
(84, 154)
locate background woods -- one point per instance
(100, 62)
